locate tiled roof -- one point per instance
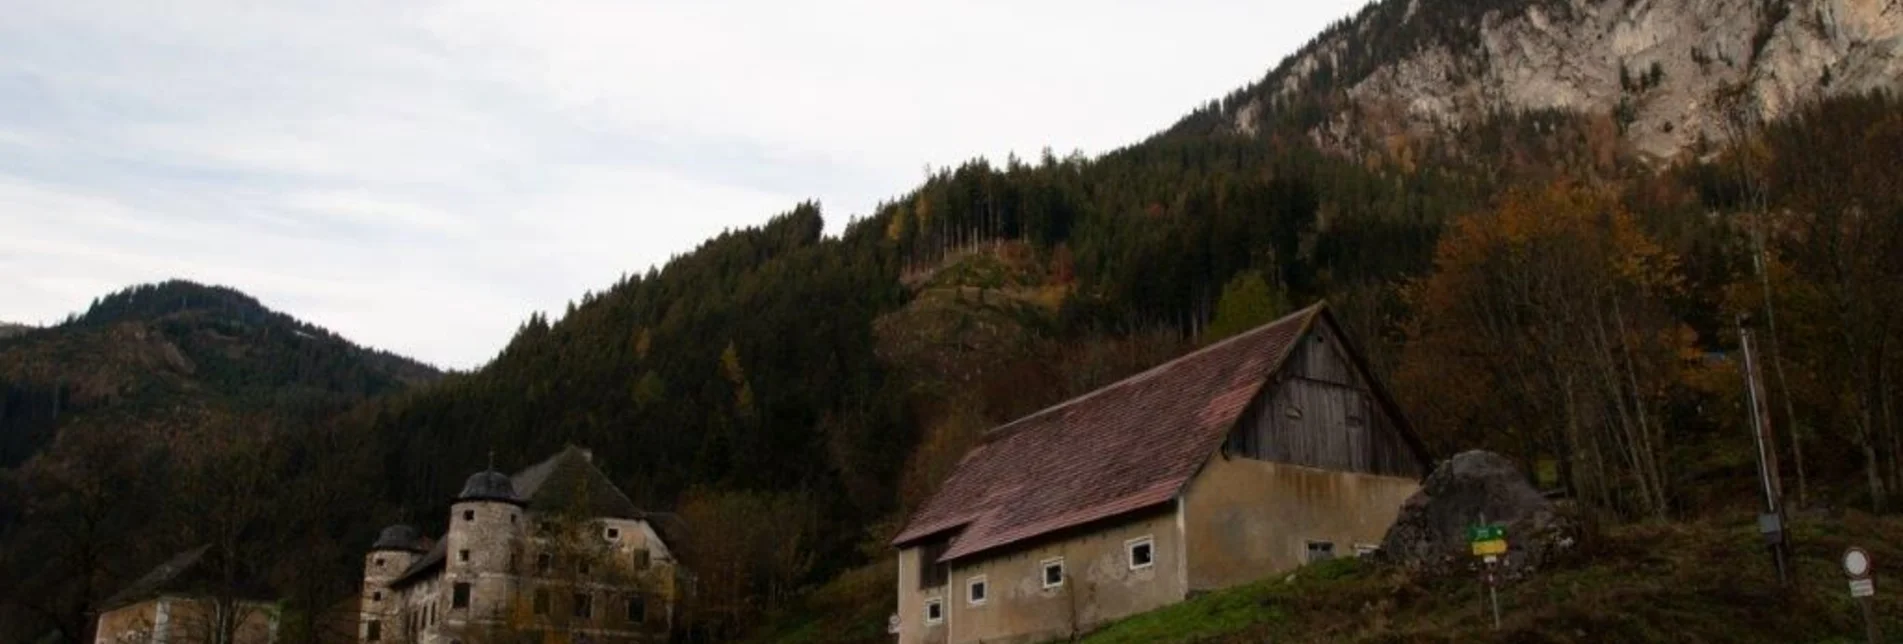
(1126, 447)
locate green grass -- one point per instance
(1699, 582)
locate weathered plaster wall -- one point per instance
(133, 624)
(1245, 519)
(482, 552)
(912, 629)
(378, 602)
(192, 621)
(1099, 586)
(183, 620)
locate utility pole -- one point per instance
(1771, 522)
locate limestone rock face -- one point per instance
(1662, 67)
(1430, 535)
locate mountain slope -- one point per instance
(1693, 582)
(1667, 72)
(172, 415)
(179, 345)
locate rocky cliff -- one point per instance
(1668, 72)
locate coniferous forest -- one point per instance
(1528, 287)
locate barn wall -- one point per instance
(1245, 519)
(1318, 411)
(1100, 586)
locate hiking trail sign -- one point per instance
(1489, 540)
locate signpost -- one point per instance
(1771, 521)
(1489, 541)
(1863, 587)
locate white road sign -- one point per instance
(1856, 563)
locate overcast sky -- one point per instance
(421, 176)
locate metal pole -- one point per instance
(1870, 630)
(1493, 589)
(1767, 460)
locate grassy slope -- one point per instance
(1681, 582)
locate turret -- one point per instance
(395, 549)
(485, 525)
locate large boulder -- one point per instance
(1430, 535)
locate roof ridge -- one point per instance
(1306, 314)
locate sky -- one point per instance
(421, 176)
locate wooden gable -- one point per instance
(1322, 410)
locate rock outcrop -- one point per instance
(1669, 71)
(1430, 535)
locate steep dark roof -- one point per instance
(430, 561)
(488, 485)
(399, 537)
(1126, 447)
(568, 481)
(187, 573)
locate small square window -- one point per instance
(544, 562)
(1142, 552)
(376, 596)
(1365, 549)
(1053, 572)
(1320, 551)
(934, 611)
(614, 533)
(469, 515)
(976, 590)
(379, 562)
(462, 555)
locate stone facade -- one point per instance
(171, 619)
(541, 566)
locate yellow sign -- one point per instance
(1492, 547)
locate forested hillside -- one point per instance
(1527, 282)
(164, 416)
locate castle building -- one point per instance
(554, 553)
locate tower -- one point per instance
(396, 548)
(485, 525)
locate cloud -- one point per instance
(420, 176)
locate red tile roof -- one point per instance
(1126, 447)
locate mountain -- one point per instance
(9, 329)
(136, 429)
(1669, 74)
(179, 345)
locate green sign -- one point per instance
(1492, 532)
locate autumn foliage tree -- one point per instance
(1545, 331)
